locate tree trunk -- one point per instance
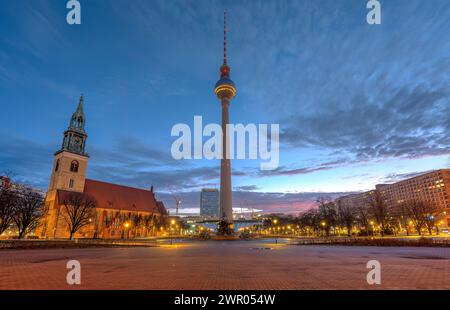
(21, 234)
(419, 231)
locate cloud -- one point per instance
(246, 188)
(407, 124)
(168, 180)
(396, 177)
(267, 202)
(28, 162)
(129, 162)
(305, 170)
(132, 153)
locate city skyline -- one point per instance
(353, 110)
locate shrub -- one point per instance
(204, 235)
(244, 235)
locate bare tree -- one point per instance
(363, 217)
(137, 222)
(79, 209)
(310, 220)
(346, 216)
(28, 209)
(401, 215)
(327, 213)
(8, 201)
(431, 216)
(147, 222)
(380, 211)
(416, 211)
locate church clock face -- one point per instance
(77, 143)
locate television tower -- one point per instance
(225, 91)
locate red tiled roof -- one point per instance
(161, 207)
(119, 197)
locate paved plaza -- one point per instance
(256, 265)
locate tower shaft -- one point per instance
(226, 209)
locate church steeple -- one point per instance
(77, 120)
(75, 136)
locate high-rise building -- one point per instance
(432, 187)
(225, 91)
(209, 202)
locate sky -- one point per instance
(357, 104)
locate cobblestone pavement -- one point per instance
(227, 265)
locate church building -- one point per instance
(120, 211)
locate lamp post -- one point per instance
(323, 224)
(126, 225)
(172, 222)
(275, 221)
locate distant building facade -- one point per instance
(433, 187)
(4, 182)
(356, 200)
(120, 212)
(209, 202)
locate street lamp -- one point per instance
(323, 224)
(172, 222)
(275, 221)
(126, 225)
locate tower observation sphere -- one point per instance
(225, 87)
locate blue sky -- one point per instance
(357, 104)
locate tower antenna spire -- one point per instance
(225, 37)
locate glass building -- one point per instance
(209, 202)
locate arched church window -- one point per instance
(57, 165)
(74, 166)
